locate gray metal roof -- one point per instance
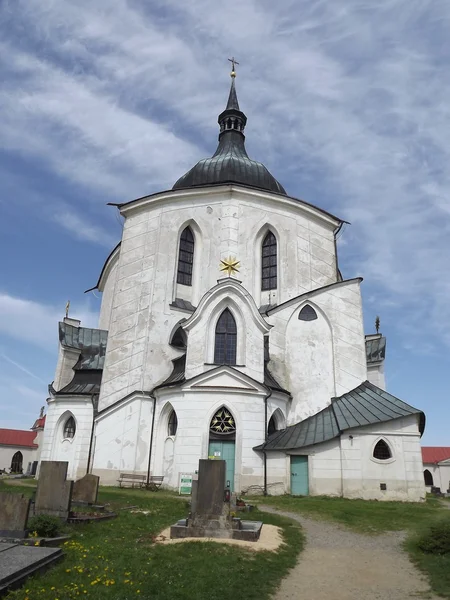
(83, 383)
(182, 304)
(365, 405)
(375, 349)
(91, 343)
(230, 162)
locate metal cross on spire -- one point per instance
(233, 62)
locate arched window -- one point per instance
(272, 427)
(269, 262)
(69, 428)
(307, 313)
(223, 422)
(225, 340)
(185, 257)
(382, 451)
(172, 423)
(428, 477)
(16, 463)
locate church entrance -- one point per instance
(299, 476)
(222, 435)
(224, 451)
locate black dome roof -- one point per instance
(230, 162)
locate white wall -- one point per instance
(440, 473)
(226, 221)
(75, 450)
(122, 439)
(300, 350)
(7, 452)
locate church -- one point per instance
(227, 331)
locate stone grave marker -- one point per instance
(85, 490)
(54, 492)
(14, 509)
(210, 514)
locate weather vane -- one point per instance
(233, 62)
(67, 308)
(229, 265)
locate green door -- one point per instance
(224, 451)
(299, 476)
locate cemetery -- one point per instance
(151, 548)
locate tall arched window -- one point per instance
(382, 451)
(225, 340)
(428, 477)
(16, 462)
(185, 257)
(69, 428)
(272, 427)
(269, 262)
(172, 424)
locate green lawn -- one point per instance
(364, 516)
(377, 517)
(118, 559)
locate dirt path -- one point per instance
(338, 564)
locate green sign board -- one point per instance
(185, 487)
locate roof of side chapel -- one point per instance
(367, 404)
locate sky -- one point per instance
(107, 101)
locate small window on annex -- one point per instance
(172, 424)
(185, 257)
(69, 428)
(382, 451)
(307, 313)
(269, 262)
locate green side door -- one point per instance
(299, 476)
(225, 451)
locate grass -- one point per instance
(364, 516)
(118, 559)
(371, 517)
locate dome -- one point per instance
(230, 162)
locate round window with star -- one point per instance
(223, 422)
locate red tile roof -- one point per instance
(434, 454)
(39, 422)
(17, 437)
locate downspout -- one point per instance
(265, 439)
(340, 450)
(94, 398)
(335, 233)
(151, 439)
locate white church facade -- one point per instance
(264, 364)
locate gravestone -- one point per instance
(54, 492)
(85, 490)
(14, 509)
(210, 514)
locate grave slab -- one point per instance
(18, 562)
(14, 510)
(54, 492)
(86, 489)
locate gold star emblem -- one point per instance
(229, 265)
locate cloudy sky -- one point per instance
(347, 104)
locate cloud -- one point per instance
(83, 230)
(36, 323)
(347, 105)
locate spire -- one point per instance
(232, 118)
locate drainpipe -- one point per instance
(151, 439)
(93, 398)
(265, 439)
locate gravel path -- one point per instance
(338, 564)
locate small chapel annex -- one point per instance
(227, 331)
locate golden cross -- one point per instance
(233, 62)
(229, 265)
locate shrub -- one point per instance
(44, 525)
(436, 540)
